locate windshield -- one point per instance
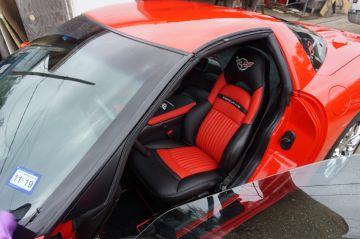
(58, 96)
(315, 201)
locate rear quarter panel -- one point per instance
(339, 93)
(322, 106)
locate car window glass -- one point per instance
(57, 98)
(313, 44)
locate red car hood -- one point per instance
(342, 48)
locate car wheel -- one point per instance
(349, 141)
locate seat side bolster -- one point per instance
(193, 121)
(199, 182)
(235, 148)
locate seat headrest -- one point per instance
(209, 65)
(246, 69)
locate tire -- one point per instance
(348, 142)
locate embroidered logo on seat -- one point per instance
(243, 64)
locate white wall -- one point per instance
(80, 6)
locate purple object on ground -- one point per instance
(7, 225)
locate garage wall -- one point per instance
(41, 16)
(80, 6)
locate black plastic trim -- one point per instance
(234, 38)
(287, 140)
(282, 67)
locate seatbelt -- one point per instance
(229, 178)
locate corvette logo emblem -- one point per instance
(243, 64)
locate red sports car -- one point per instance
(129, 110)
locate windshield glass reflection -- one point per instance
(315, 201)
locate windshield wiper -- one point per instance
(27, 73)
(21, 211)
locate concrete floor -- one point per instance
(295, 216)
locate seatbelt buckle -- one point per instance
(223, 187)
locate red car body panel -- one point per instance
(187, 26)
(181, 25)
(342, 47)
(333, 101)
(323, 103)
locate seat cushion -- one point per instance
(172, 176)
(187, 161)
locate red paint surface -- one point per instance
(181, 25)
(65, 230)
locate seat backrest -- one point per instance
(232, 107)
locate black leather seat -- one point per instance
(215, 134)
